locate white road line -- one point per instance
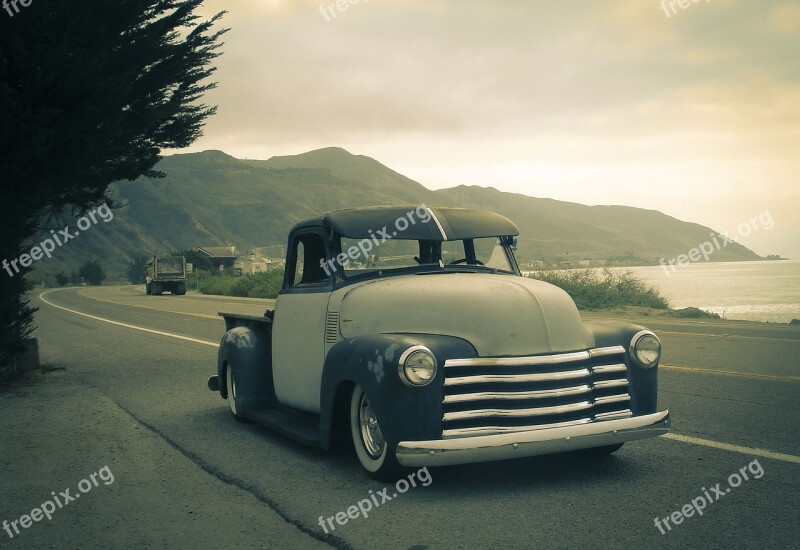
(126, 325)
(751, 451)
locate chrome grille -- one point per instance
(485, 396)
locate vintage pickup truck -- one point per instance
(411, 333)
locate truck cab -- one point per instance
(410, 333)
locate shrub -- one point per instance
(603, 289)
(260, 285)
(694, 313)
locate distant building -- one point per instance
(250, 265)
(218, 256)
(275, 263)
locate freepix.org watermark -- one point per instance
(709, 496)
(60, 238)
(64, 498)
(330, 10)
(718, 242)
(364, 506)
(669, 5)
(377, 238)
(15, 4)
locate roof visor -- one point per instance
(420, 223)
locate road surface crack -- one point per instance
(331, 540)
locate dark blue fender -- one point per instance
(248, 349)
(643, 383)
(404, 413)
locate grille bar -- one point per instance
(607, 369)
(538, 411)
(619, 383)
(510, 396)
(517, 378)
(612, 399)
(535, 360)
(627, 413)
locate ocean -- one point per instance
(755, 291)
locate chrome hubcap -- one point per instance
(371, 434)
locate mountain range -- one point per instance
(213, 199)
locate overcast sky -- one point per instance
(696, 114)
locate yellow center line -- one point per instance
(200, 315)
(129, 291)
(732, 373)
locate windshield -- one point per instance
(398, 254)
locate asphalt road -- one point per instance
(187, 475)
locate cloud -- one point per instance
(588, 101)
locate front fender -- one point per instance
(404, 413)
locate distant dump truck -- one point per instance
(166, 274)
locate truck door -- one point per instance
(298, 333)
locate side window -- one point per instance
(309, 256)
(298, 266)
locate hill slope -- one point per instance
(550, 228)
(211, 198)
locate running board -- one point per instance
(301, 428)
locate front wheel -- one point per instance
(231, 386)
(374, 453)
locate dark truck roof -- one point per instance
(446, 224)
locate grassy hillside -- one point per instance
(211, 198)
(550, 228)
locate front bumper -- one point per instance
(446, 452)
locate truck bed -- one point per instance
(239, 320)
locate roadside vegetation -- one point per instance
(260, 285)
(693, 313)
(590, 288)
(604, 288)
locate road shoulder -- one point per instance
(67, 431)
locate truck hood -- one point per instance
(498, 314)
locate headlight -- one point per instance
(417, 366)
(645, 348)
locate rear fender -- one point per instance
(248, 351)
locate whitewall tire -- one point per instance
(373, 451)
